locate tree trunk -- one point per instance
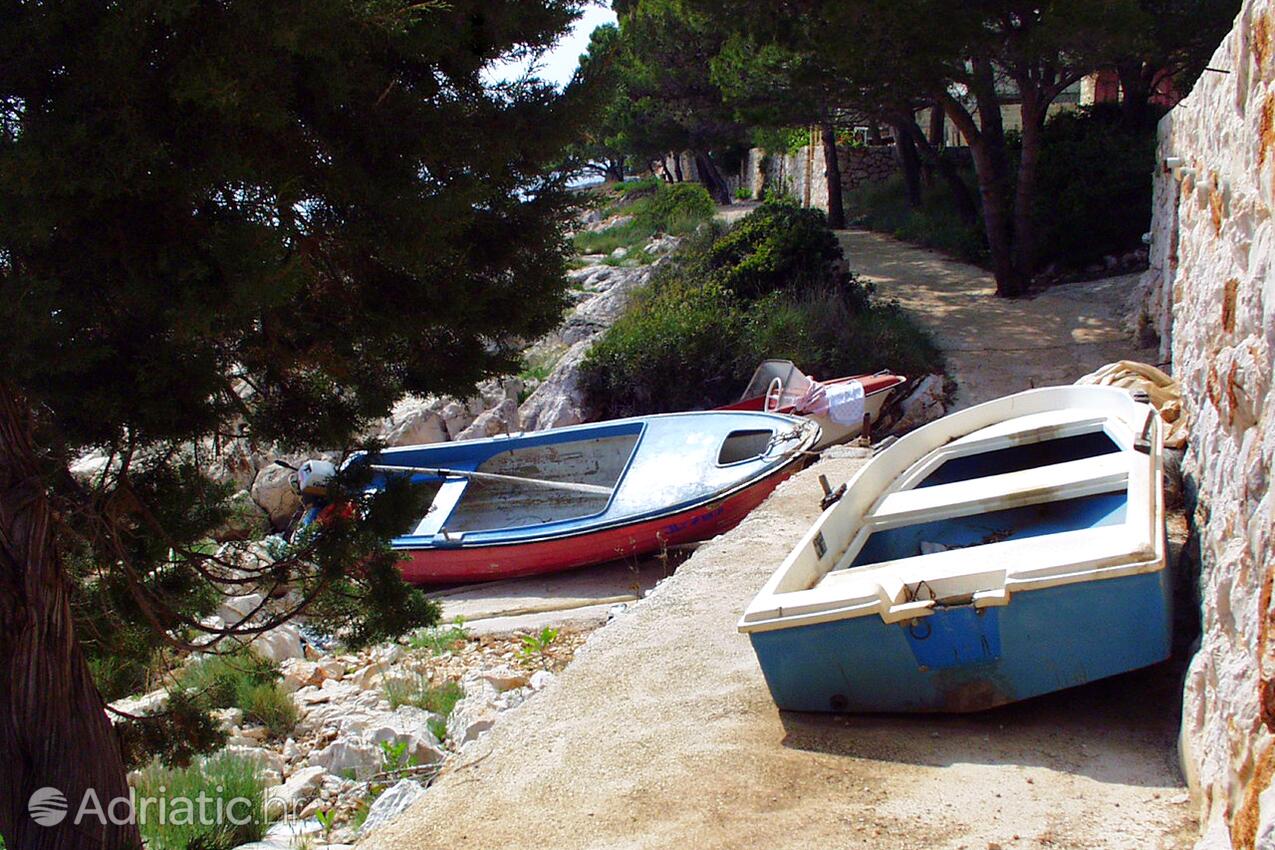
(711, 178)
(961, 197)
(905, 147)
(1136, 79)
(677, 167)
(987, 145)
(832, 174)
(1025, 191)
(53, 729)
(937, 122)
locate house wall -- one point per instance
(1210, 296)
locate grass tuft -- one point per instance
(419, 692)
(221, 779)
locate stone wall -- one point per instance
(801, 173)
(1210, 295)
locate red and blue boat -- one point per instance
(547, 501)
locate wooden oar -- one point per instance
(492, 476)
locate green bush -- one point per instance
(243, 680)
(222, 679)
(676, 208)
(743, 193)
(778, 246)
(221, 779)
(882, 206)
(272, 707)
(690, 341)
(1093, 193)
(679, 349)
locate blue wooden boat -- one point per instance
(1005, 551)
(554, 500)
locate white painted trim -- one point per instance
(802, 592)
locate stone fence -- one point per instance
(801, 173)
(1209, 296)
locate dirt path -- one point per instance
(998, 346)
(661, 733)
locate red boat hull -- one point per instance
(488, 563)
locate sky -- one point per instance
(560, 63)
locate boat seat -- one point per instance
(1055, 482)
(894, 589)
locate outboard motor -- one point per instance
(312, 478)
(310, 481)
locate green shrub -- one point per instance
(641, 186)
(221, 778)
(418, 691)
(269, 705)
(1093, 195)
(677, 349)
(778, 246)
(690, 341)
(830, 338)
(743, 193)
(244, 680)
(676, 208)
(222, 679)
(882, 206)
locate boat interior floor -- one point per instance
(488, 505)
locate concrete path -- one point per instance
(996, 346)
(661, 733)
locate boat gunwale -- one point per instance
(579, 526)
(764, 612)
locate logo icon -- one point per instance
(47, 806)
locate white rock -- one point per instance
(501, 419)
(359, 756)
(456, 418)
(246, 519)
(558, 400)
(925, 403)
(228, 718)
(234, 609)
(140, 706)
(387, 655)
(299, 673)
(273, 492)
(332, 668)
(279, 644)
(392, 803)
(299, 789)
(619, 253)
(474, 713)
(414, 421)
(542, 679)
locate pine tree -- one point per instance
(225, 219)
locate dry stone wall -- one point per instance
(1210, 297)
(801, 173)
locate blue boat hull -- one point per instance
(959, 659)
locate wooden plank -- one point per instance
(1055, 482)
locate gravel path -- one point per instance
(996, 346)
(661, 733)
